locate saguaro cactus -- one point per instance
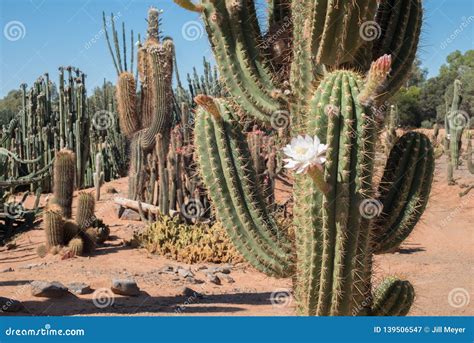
(328, 96)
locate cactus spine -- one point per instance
(335, 237)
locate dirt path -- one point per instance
(438, 259)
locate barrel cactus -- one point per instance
(64, 180)
(53, 226)
(85, 216)
(341, 72)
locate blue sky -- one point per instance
(68, 32)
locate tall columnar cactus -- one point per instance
(98, 175)
(64, 180)
(141, 124)
(456, 122)
(391, 129)
(332, 93)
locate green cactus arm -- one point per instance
(127, 104)
(404, 190)
(399, 24)
(162, 68)
(17, 159)
(228, 173)
(189, 5)
(278, 10)
(393, 297)
(234, 35)
(470, 164)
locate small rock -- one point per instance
(111, 190)
(11, 245)
(129, 214)
(6, 270)
(79, 288)
(183, 272)
(189, 292)
(222, 269)
(48, 289)
(10, 305)
(125, 287)
(167, 270)
(213, 278)
(193, 280)
(226, 277)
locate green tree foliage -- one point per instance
(407, 100)
(432, 98)
(9, 106)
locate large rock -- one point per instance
(131, 215)
(48, 289)
(125, 287)
(10, 305)
(79, 288)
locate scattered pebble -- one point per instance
(226, 277)
(183, 272)
(48, 289)
(6, 270)
(213, 278)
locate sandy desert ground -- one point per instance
(438, 258)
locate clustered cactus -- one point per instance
(198, 243)
(47, 123)
(338, 76)
(158, 122)
(82, 234)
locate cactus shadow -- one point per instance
(143, 303)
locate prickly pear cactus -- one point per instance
(345, 60)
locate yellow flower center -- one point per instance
(301, 150)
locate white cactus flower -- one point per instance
(304, 153)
